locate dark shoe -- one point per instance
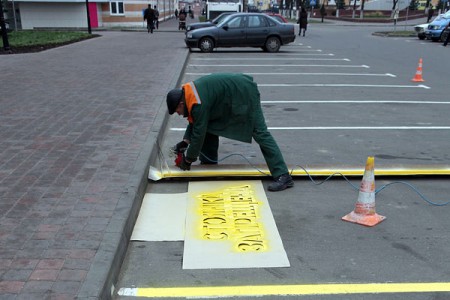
(282, 182)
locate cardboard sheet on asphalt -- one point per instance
(161, 218)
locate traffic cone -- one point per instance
(418, 76)
(364, 212)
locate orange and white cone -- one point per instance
(364, 212)
(418, 76)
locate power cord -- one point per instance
(331, 176)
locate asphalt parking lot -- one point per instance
(331, 99)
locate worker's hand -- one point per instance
(184, 164)
(179, 148)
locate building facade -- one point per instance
(36, 14)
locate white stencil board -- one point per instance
(242, 218)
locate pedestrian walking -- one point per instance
(149, 16)
(176, 13)
(156, 17)
(430, 14)
(447, 29)
(323, 12)
(182, 20)
(227, 105)
(302, 21)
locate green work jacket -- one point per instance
(229, 106)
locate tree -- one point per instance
(361, 13)
(3, 29)
(414, 4)
(394, 5)
(340, 4)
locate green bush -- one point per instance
(26, 38)
(375, 14)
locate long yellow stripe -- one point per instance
(312, 172)
(309, 289)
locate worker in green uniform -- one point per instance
(226, 105)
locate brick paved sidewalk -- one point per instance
(77, 128)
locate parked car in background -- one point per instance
(277, 17)
(252, 8)
(421, 28)
(208, 23)
(275, 8)
(242, 30)
(435, 28)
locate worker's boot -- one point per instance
(281, 182)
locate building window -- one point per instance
(116, 7)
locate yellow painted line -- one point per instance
(262, 171)
(288, 290)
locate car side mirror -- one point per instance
(225, 27)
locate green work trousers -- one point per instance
(269, 148)
(209, 152)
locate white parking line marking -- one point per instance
(306, 50)
(290, 65)
(273, 58)
(353, 101)
(281, 54)
(300, 44)
(301, 54)
(364, 128)
(350, 128)
(341, 85)
(292, 73)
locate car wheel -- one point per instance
(273, 44)
(421, 37)
(206, 44)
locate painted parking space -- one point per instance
(329, 258)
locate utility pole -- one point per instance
(3, 28)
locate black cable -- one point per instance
(332, 175)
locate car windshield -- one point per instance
(224, 19)
(219, 18)
(277, 18)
